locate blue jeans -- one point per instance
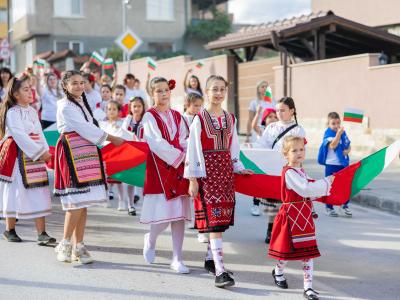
(329, 170)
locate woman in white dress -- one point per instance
(24, 184)
(166, 199)
(79, 178)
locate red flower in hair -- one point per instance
(92, 78)
(171, 84)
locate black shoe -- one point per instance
(224, 280)
(136, 199)
(209, 266)
(311, 296)
(11, 236)
(131, 211)
(110, 195)
(282, 284)
(268, 237)
(44, 239)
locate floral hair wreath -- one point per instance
(171, 84)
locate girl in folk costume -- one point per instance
(119, 93)
(293, 235)
(192, 106)
(272, 138)
(79, 178)
(212, 157)
(133, 123)
(24, 185)
(166, 199)
(112, 125)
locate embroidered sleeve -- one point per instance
(157, 144)
(194, 164)
(15, 125)
(306, 189)
(235, 152)
(75, 121)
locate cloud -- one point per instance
(263, 11)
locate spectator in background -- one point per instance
(191, 83)
(50, 94)
(132, 86)
(93, 97)
(5, 77)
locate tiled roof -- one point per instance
(260, 31)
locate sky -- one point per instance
(263, 11)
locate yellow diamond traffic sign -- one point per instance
(128, 41)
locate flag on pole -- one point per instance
(151, 64)
(268, 95)
(108, 67)
(96, 59)
(353, 115)
(200, 64)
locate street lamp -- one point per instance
(125, 4)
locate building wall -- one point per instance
(368, 12)
(357, 81)
(3, 21)
(249, 74)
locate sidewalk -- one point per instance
(382, 193)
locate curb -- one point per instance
(377, 202)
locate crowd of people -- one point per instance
(190, 166)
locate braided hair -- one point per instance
(289, 102)
(65, 79)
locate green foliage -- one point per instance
(115, 53)
(209, 30)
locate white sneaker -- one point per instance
(81, 254)
(179, 267)
(148, 254)
(347, 212)
(331, 212)
(255, 210)
(63, 250)
(122, 206)
(202, 238)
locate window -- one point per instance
(76, 46)
(67, 8)
(161, 47)
(21, 8)
(160, 10)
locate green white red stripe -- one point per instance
(353, 115)
(40, 63)
(200, 64)
(108, 64)
(268, 94)
(96, 59)
(151, 64)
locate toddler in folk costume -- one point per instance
(293, 234)
(334, 155)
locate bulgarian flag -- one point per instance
(267, 167)
(353, 115)
(39, 63)
(51, 134)
(108, 67)
(126, 163)
(151, 64)
(200, 64)
(96, 59)
(268, 94)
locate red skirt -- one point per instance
(215, 205)
(281, 246)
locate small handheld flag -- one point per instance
(268, 95)
(108, 67)
(39, 63)
(200, 64)
(353, 115)
(151, 63)
(96, 59)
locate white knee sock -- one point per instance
(155, 230)
(121, 196)
(209, 255)
(216, 249)
(131, 195)
(279, 268)
(178, 232)
(308, 266)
